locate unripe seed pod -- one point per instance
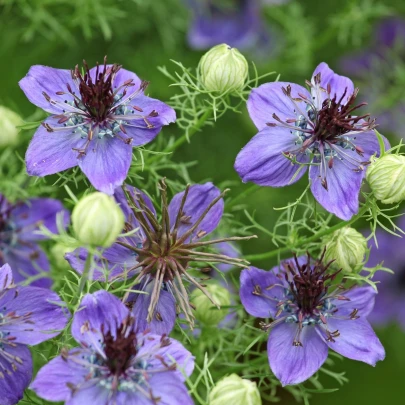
(386, 177)
(206, 312)
(97, 220)
(347, 247)
(8, 123)
(233, 390)
(223, 69)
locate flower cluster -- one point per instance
(141, 266)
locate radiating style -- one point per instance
(19, 236)
(97, 117)
(317, 128)
(28, 316)
(162, 251)
(309, 317)
(114, 364)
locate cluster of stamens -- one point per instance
(95, 108)
(306, 298)
(326, 132)
(165, 256)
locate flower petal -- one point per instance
(269, 99)
(40, 79)
(52, 152)
(138, 130)
(152, 346)
(200, 196)
(339, 85)
(29, 261)
(6, 277)
(342, 196)
(15, 380)
(161, 324)
(53, 380)
(295, 364)
(115, 263)
(100, 308)
(170, 389)
(38, 314)
(28, 216)
(262, 160)
(357, 340)
(106, 163)
(255, 293)
(361, 298)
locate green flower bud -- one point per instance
(223, 69)
(97, 220)
(233, 390)
(348, 247)
(386, 177)
(8, 123)
(58, 252)
(206, 312)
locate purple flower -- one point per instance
(379, 69)
(115, 365)
(28, 316)
(308, 317)
(316, 128)
(237, 23)
(96, 120)
(160, 251)
(19, 226)
(390, 301)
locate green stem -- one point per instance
(307, 240)
(243, 194)
(186, 137)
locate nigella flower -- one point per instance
(161, 251)
(237, 23)
(19, 237)
(379, 68)
(97, 118)
(316, 128)
(390, 301)
(309, 317)
(28, 316)
(115, 365)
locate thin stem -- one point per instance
(243, 194)
(186, 137)
(307, 240)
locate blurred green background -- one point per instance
(142, 35)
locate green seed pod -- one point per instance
(223, 69)
(386, 177)
(348, 247)
(8, 123)
(97, 220)
(206, 312)
(233, 390)
(58, 252)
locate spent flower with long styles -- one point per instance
(309, 316)
(316, 128)
(115, 364)
(161, 252)
(97, 117)
(28, 316)
(19, 236)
